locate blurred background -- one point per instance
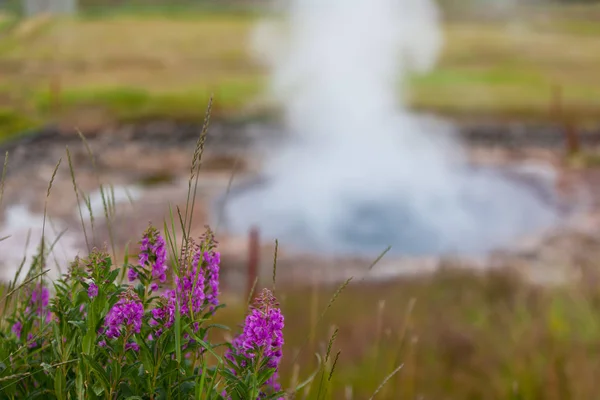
(124, 86)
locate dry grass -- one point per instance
(512, 70)
(459, 336)
(165, 66)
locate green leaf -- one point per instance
(177, 334)
(78, 324)
(113, 275)
(58, 345)
(116, 372)
(264, 375)
(146, 356)
(69, 348)
(100, 372)
(220, 326)
(169, 344)
(131, 370)
(79, 382)
(207, 346)
(60, 383)
(89, 340)
(200, 387)
(187, 387)
(98, 389)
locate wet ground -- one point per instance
(148, 167)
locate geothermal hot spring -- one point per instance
(359, 171)
(348, 170)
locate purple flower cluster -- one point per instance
(213, 262)
(92, 290)
(190, 291)
(153, 252)
(127, 313)
(132, 346)
(30, 342)
(196, 288)
(165, 312)
(38, 305)
(40, 297)
(132, 274)
(17, 328)
(262, 336)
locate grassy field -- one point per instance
(126, 66)
(458, 335)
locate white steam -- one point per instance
(361, 171)
(23, 231)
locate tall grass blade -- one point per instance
(337, 293)
(275, 264)
(186, 235)
(251, 294)
(375, 262)
(195, 168)
(335, 360)
(25, 283)
(43, 245)
(226, 195)
(88, 206)
(3, 178)
(22, 264)
(24, 375)
(102, 194)
(51, 251)
(172, 239)
(74, 181)
(387, 378)
(327, 353)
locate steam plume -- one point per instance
(361, 171)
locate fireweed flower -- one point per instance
(165, 312)
(190, 288)
(17, 328)
(261, 337)
(133, 346)
(39, 299)
(132, 274)
(196, 287)
(213, 261)
(126, 313)
(92, 290)
(153, 253)
(30, 342)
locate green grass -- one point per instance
(139, 64)
(459, 335)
